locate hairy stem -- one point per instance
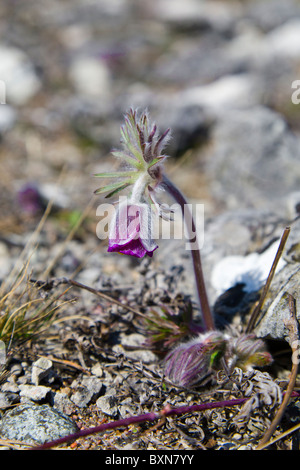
(195, 251)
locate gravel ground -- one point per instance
(222, 76)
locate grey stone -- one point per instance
(97, 370)
(40, 369)
(90, 77)
(238, 233)
(16, 370)
(266, 18)
(108, 405)
(141, 355)
(226, 92)
(35, 424)
(62, 403)
(11, 387)
(34, 392)
(5, 402)
(254, 161)
(87, 390)
(190, 123)
(276, 310)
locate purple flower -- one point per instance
(131, 231)
(30, 199)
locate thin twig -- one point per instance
(67, 364)
(281, 436)
(56, 282)
(104, 296)
(293, 332)
(262, 299)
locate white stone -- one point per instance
(284, 41)
(108, 405)
(34, 392)
(40, 369)
(252, 270)
(18, 76)
(90, 77)
(232, 91)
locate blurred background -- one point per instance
(219, 73)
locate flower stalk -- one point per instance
(208, 319)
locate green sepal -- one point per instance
(129, 159)
(113, 187)
(115, 174)
(117, 190)
(135, 151)
(156, 160)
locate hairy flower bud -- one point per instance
(193, 363)
(247, 351)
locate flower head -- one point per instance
(131, 229)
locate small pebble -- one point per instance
(108, 405)
(40, 369)
(34, 392)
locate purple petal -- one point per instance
(132, 248)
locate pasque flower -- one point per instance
(131, 233)
(142, 157)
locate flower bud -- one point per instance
(248, 351)
(193, 363)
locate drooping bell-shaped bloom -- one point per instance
(131, 230)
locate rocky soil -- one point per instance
(222, 75)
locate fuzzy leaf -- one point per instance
(117, 190)
(115, 174)
(131, 147)
(113, 187)
(128, 158)
(156, 160)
